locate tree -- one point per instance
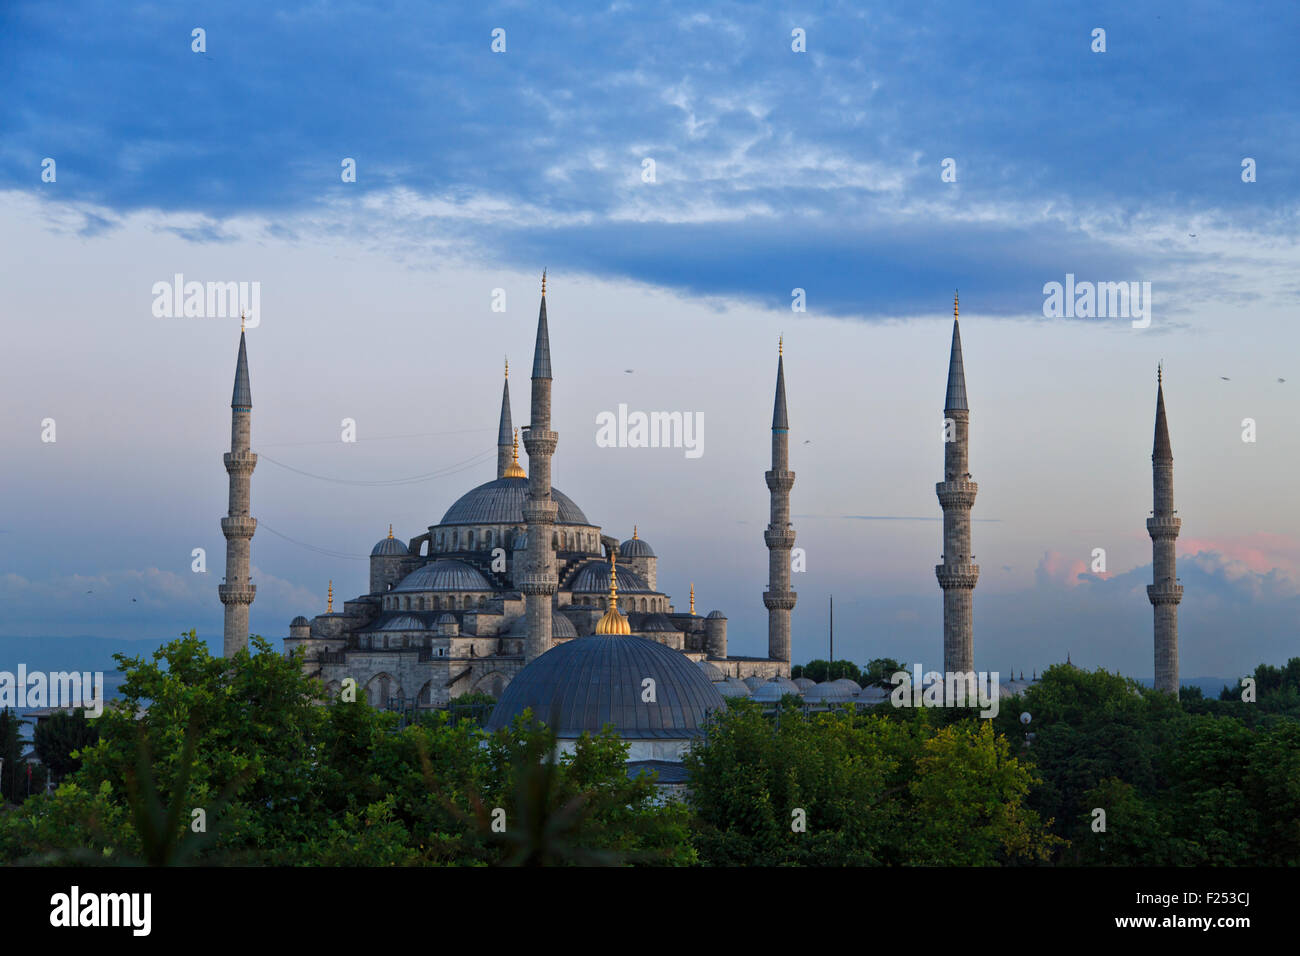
(58, 739)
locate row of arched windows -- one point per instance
(467, 602)
(485, 539)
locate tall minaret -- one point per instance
(778, 598)
(1163, 527)
(505, 430)
(238, 591)
(539, 581)
(958, 573)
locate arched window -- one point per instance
(455, 540)
(437, 603)
(482, 601)
(469, 540)
(487, 538)
(643, 604)
(451, 602)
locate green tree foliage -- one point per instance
(58, 738)
(819, 671)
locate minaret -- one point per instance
(958, 573)
(238, 591)
(505, 429)
(1163, 527)
(538, 582)
(779, 536)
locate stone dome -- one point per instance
(581, 685)
(387, 546)
(829, 692)
(593, 577)
(300, 621)
(447, 619)
(445, 574)
(753, 682)
(635, 548)
(403, 622)
(804, 683)
(502, 502)
(716, 616)
(712, 671)
(770, 691)
(733, 687)
(561, 627)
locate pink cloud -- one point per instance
(1261, 552)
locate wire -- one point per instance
(456, 468)
(311, 547)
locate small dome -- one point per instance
(581, 685)
(873, 695)
(712, 671)
(446, 574)
(770, 691)
(804, 683)
(447, 619)
(716, 616)
(594, 577)
(733, 687)
(635, 548)
(300, 621)
(387, 546)
(828, 692)
(852, 686)
(561, 627)
(657, 623)
(753, 682)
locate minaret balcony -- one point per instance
(238, 526)
(956, 494)
(957, 576)
(1165, 592)
(237, 594)
(539, 442)
(779, 540)
(540, 512)
(240, 461)
(533, 582)
(779, 481)
(1164, 526)
(780, 600)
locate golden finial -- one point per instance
(543, 282)
(1160, 372)
(507, 368)
(633, 532)
(329, 604)
(241, 321)
(390, 531)
(954, 303)
(692, 597)
(613, 622)
(780, 346)
(514, 469)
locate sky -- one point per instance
(909, 150)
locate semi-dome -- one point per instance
(445, 574)
(658, 623)
(389, 546)
(561, 627)
(403, 622)
(594, 577)
(502, 502)
(580, 686)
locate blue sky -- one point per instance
(774, 170)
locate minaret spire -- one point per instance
(613, 622)
(505, 428)
(238, 526)
(538, 581)
(1165, 592)
(779, 536)
(958, 574)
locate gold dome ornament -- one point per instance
(329, 605)
(514, 470)
(613, 622)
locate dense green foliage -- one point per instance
(207, 760)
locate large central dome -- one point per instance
(502, 502)
(583, 684)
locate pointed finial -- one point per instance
(507, 367)
(780, 346)
(514, 469)
(692, 597)
(954, 303)
(329, 604)
(543, 282)
(633, 532)
(1160, 372)
(613, 622)
(390, 530)
(241, 321)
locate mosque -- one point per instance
(513, 569)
